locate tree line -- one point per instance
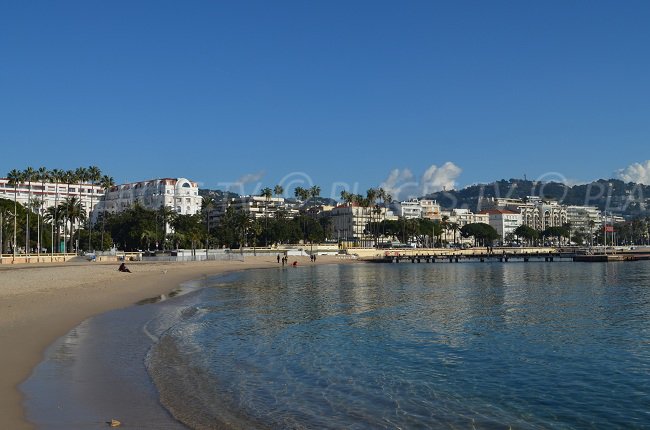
(24, 226)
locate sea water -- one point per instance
(491, 345)
(532, 345)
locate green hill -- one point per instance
(613, 195)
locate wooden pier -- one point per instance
(500, 255)
(605, 258)
(395, 256)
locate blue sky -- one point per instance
(351, 93)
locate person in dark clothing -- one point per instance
(123, 268)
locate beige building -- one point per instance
(430, 209)
(350, 221)
(504, 221)
(535, 212)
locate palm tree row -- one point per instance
(91, 175)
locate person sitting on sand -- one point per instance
(123, 268)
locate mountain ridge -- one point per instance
(612, 195)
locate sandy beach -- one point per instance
(39, 304)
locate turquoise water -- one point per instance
(485, 345)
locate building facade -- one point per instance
(460, 218)
(180, 194)
(504, 221)
(39, 195)
(409, 209)
(535, 212)
(584, 219)
(430, 209)
(350, 222)
(258, 207)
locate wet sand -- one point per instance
(39, 304)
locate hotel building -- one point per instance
(180, 194)
(51, 194)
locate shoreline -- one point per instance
(40, 304)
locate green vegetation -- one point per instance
(483, 234)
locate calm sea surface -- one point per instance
(492, 345)
(469, 345)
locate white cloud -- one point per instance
(637, 172)
(439, 178)
(251, 177)
(400, 184)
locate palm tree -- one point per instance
(35, 206)
(348, 198)
(51, 217)
(207, 205)
(81, 176)
(278, 190)
(167, 215)
(314, 191)
(267, 193)
(106, 182)
(444, 226)
(15, 177)
(388, 198)
(591, 225)
(146, 236)
(43, 175)
(28, 175)
(455, 227)
(57, 176)
(76, 214)
(68, 177)
(371, 195)
(301, 194)
(94, 175)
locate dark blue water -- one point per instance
(520, 345)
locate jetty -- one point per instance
(501, 254)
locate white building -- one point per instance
(180, 194)
(257, 206)
(580, 218)
(504, 221)
(461, 217)
(51, 194)
(409, 209)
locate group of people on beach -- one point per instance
(285, 260)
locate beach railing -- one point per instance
(198, 257)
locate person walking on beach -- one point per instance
(278, 258)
